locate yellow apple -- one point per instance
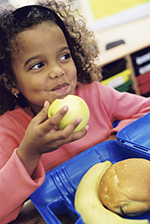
(77, 108)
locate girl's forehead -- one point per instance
(38, 36)
(42, 30)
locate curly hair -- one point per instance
(81, 42)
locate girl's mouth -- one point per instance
(61, 88)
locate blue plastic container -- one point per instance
(56, 195)
(137, 134)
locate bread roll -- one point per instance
(125, 187)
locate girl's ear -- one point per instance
(9, 84)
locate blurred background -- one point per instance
(122, 29)
(110, 20)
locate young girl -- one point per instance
(45, 54)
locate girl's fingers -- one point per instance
(42, 115)
(80, 134)
(67, 134)
(62, 138)
(55, 119)
(44, 127)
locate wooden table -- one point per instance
(29, 215)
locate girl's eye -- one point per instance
(37, 66)
(65, 57)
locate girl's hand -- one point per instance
(40, 136)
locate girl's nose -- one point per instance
(56, 73)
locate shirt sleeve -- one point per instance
(124, 106)
(16, 185)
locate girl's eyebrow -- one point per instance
(32, 58)
(38, 56)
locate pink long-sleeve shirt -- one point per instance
(105, 105)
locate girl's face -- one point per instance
(43, 66)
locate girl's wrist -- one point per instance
(29, 161)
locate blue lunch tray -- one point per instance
(56, 195)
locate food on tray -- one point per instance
(87, 201)
(77, 108)
(125, 187)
